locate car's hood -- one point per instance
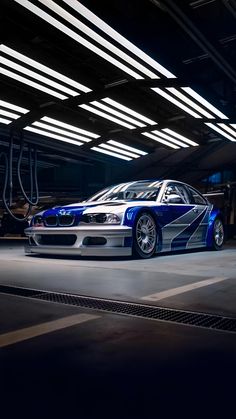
(116, 207)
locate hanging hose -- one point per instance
(33, 175)
(8, 179)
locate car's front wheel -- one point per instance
(145, 236)
(218, 234)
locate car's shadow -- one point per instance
(116, 258)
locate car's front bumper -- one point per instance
(117, 240)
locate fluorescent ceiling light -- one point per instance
(129, 111)
(69, 127)
(65, 30)
(226, 128)
(204, 102)
(181, 137)
(12, 107)
(9, 114)
(118, 150)
(175, 102)
(220, 131)
(61, 131)
(44, 69)
(97, 38)
(31, 83)
(159, 140)
(233, 125)
(91, 17)
(190, 102)
(110, 153)
(5, 121)
(105, 115)
(116, 113)
(12, 65)
(168, 137)
(126, 147)
(50, 135)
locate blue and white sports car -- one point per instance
(135, 218)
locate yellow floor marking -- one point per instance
(20, 335)
(180, 290)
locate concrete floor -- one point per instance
(118, 366)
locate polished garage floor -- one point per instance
(57, 359)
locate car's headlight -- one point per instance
(37, 221)
(101, 218)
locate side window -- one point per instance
(196, 198)
(177, 190)
(183, 193)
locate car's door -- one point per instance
(183, 217)
(199, 228)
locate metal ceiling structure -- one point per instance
(148, 87)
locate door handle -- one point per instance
(195, 210)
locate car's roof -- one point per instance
(140, 181)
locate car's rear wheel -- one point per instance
(218, 234)
(145, 236)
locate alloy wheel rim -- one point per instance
(218, 233)
(146, 234)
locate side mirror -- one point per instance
(173, 199)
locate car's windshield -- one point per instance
(141, 190)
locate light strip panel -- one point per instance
(175, 102)
(110, 153)
(226, 128)
(61, 131)
(189, 102)
(99, 23)
(105, 115)
(44, 69)
(9, 114)
(204, 102)
(159, 140)
(37, 76)
(13, 107)
(119, 151)
(69, 127)
(50, 135)
(97, 38)
(116, 113)
(181, 137)
(65, 30)
(220, 131)
(126, 147)
(168, 137)
(5, 121)
(31, 83)
(129, 111)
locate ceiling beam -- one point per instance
(183, 17)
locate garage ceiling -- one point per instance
(149, 87)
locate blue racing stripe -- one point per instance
(181, 240)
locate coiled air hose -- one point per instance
(8, 179)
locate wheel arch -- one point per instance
(132, 215)
(215, 214)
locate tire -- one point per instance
(217, 235)
(144, 236)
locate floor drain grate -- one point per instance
(131, 309)
(19, 291)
